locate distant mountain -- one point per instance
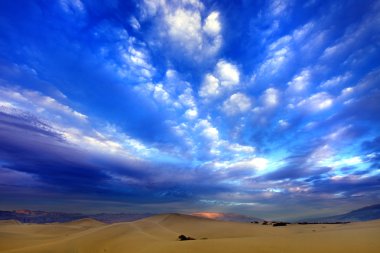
(227, 216)
(362, 214)
(29, 216)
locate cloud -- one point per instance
(257, 163)
(212, 25)
(172, 94)
(240, 168)
(160, 94)
(32, 147)
(283, 123)
(317, 102)
(135, 23)
(270, 98)
(336, 80)
(305, 161)
(189, 31)
(16, 98)
(274, 61)
(300, 82)
(227, 73)
(279, 7)
(225, 77)
(135, 61)
(207, 130)
(187, 98)
(185, 29)
(128, 57)
(66, 123)
(236, 103)
(355, 35)
(72, 6)
(372, 150)
(156, 109)
(38, 150)
(300, 33)
(237, 148)
(191, 114)
(210, 87)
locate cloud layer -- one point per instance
(268, 109)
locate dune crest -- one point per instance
(85, 222)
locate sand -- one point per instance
(159, 234)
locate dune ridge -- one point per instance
(160, 233)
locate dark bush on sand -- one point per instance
(185, 238)
(279, 224)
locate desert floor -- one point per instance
(159, 234)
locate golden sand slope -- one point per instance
(87, 222)
(159, 234)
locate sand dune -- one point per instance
(87, 222)
(9, 222)
(159, 234)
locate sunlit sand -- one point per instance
(160, 234)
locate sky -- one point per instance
(264, 108)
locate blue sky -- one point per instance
(267, 108)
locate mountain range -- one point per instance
(29, 216)
(363, 214)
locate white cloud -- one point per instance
(186, 98)
(227, 73)
(210, 87)
(346, 92)
(352, 160)
(191, 113)
(300, 33)
(75, 127)
(356, 34)
(38, 103)
(317, 102)
(138, 58)
(151, 7)
(321, 155)
(211, 133)
(134, 23)
(225, 76)
(274, 61)
(300, 82)
(270, 98)
(336, 80)
(212, 25)
(237, 148)
(160, 94)
(236, 103)
(207, 130)
(256, 163)
(302, 42)
(339, 134)
(72, 6)
(283, 123)
(180, 23)
(134, 60)
(278, 7)
(184, 28)
(280, 43)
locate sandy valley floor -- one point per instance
(159, 234)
